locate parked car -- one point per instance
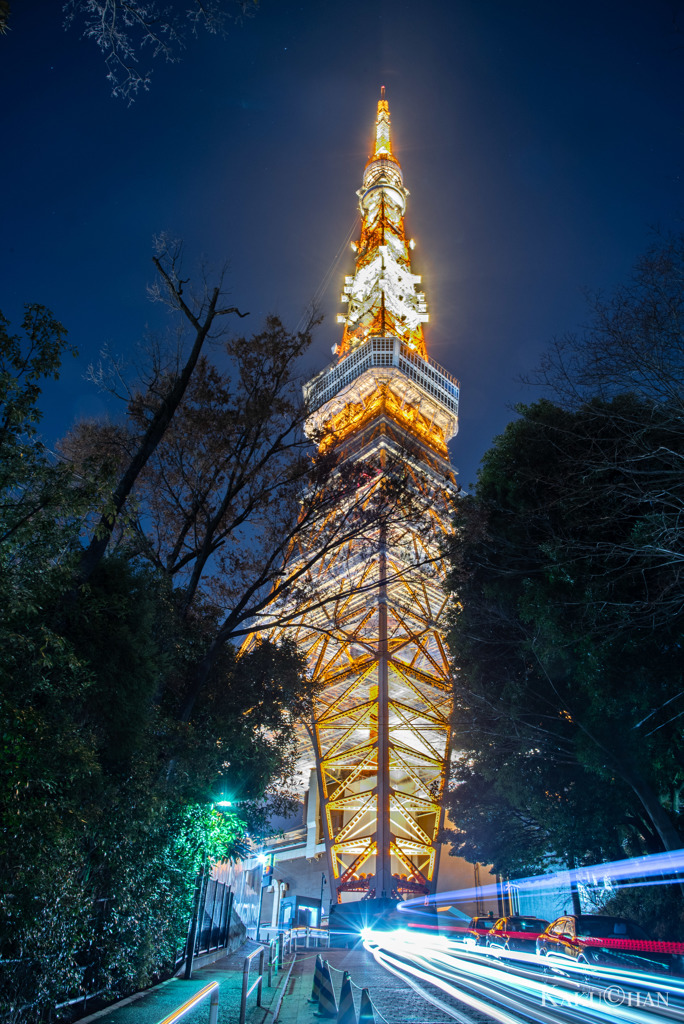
(579, 939)
(517, 934)
(476, 933)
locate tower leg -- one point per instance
(383, 863)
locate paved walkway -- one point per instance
(287, 1001)
(157, 1003)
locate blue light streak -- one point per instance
(648, 869)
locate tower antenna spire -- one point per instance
(383, 296)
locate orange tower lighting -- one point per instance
(372, 627)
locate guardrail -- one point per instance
(313, 937)
(211, 990)
(247, 989)
(275, 959)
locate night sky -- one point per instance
(541, 143)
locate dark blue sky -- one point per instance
(540, 142)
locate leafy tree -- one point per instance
(524, 812)
(570, 577)
(99, 845)
(211, 463)
(224, 477)
(633, 344)
(28, 486)
(569, 676)
(658, 908)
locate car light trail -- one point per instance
(576, 991)
(609, 974)
(518, 993)
(400, 968)
(634, 871)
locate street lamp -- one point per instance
(267, 861)
(320, 910)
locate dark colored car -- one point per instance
(518, 933)
(602, 941)
(476, 933)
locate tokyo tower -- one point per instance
(372, 625)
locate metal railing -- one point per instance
(209, 927)
(309, 937)
(275, 959)
(299, 937)
(211, 990)
(247, 989)
(384, 352)
(286, 943)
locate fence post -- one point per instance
(224, 898)
(245, 983)
(210, 941)
(231, 900)
(213, 1007)
(246, 987)
(281, 947)
(261, 975)
(202, 910)
(192, 936)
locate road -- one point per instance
(412, 979)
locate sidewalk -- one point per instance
(153, 1006)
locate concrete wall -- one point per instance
(303, 877)
(457, 874)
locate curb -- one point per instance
(124, 1002)
(273, 1010)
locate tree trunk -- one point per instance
(662, 823)
(574, 891)
(156, 429)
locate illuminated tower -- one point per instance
(372, 629)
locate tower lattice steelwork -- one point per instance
(372, 625)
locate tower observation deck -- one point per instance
(372, 627)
